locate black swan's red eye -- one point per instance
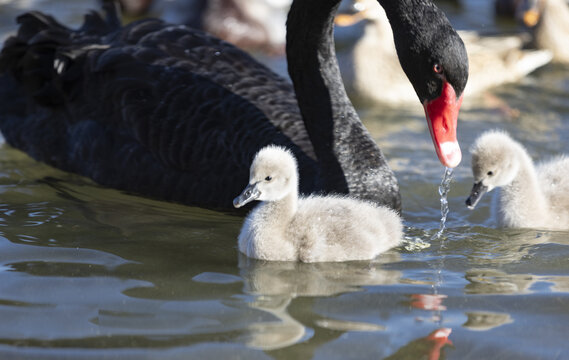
(437, 68)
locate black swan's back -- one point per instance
(152, 108)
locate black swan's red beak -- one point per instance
(442, 117)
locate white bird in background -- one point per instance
(370, 62)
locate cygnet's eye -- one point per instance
(490, 173)
(269, 178)
(437, 68)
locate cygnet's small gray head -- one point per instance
(272, 176)
(495, 162)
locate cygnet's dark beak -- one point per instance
(250, 193)
(478, 189)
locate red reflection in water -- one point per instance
(428, 301)
(439, 339)
(428, 347)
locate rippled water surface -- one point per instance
(92, 273)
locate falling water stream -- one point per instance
(444, 188)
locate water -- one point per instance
(93, 273)
(444, 189)
(435, 299)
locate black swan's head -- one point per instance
(434, 58)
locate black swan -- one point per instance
(176, 114)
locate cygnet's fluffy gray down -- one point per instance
(285, 227)
(531, 196)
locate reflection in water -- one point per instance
(275, 284)
(492, 281)
(432, 302)
(275, 333)
(374, 346)
(344, 325)
(428, 347)
(485, 320)
(314, 279)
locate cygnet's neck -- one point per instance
(522, 202)
(279, 213)
(284, 208)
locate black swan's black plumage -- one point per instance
(151, 107)
(174, 113)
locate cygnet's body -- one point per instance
(531, 196)
(285, 227)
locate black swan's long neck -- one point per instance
(349, 157)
